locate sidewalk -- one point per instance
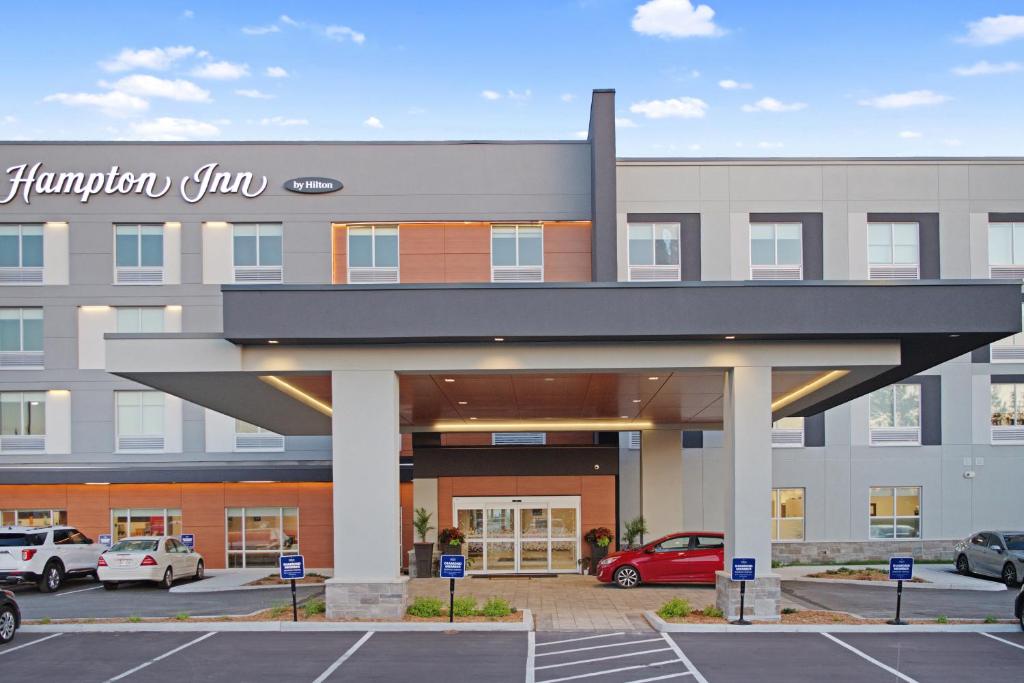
(224, 580)
(942, 576)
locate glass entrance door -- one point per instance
(520, 535)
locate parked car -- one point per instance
(46, 555)
(160, 559)
(689, 557)
(10, 616)
(992, 553)
(1018, 607)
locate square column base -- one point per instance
(355, 599)
(762, 602)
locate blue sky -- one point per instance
(730, 78)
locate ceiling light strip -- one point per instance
(298, 394)
(810, 387)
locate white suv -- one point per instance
(46, 555)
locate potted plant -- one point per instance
(424, 550)
(599, 539)
(450, 540)
(635, 528)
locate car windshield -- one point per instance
(1015, 542)
(10, 539)
(134, 546)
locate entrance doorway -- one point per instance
(513, 535)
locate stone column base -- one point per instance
(762, 599)
(355, 599)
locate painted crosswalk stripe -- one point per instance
(697, 676)
(604, 672)
(867, 657)
(165, 655)
(662, 678)
(576, 640)
(603, 659)
(599, 647)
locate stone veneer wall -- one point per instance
(827, 552)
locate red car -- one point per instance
(689, 557)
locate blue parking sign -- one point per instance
(106, 539)
(901, 568)
(188, 540)
(292, 567)
(453, 567)
(743, 568)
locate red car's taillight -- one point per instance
(101, 562)
(27, 554)
(148, 561)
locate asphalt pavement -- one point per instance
(880, 601)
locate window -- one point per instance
(895, 415)
(787, 514)
(33, 518)
(776, 251)
(373, 253)
(1007, 413)
(125, 522)
(708, 543)
(1006, 250)
(257, 537)
(653, 251)
(21, 254)
(21, 338)
(895, 512)
(132, 319)
(673, 545)
(249, 437)
(517, 253)
(788, 432)
(139, 254)
(258, 252)
(22, 421)
(1010, 349)
(893, 251)
(140, 420)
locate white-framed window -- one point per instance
(372, 254)
(125, 522)
(894, 251)
(776, 251)
(257, 537)
(22, 422)
(258, 250)
(21, 338)
(1006, 250)
(894, 415)
(21, 254)
(518, 438)
(1007, 413)
(788, 514)
(33, 518)
(894, 512)
(138, 254)
(653, 251)
(136, 319)
(788, 433)
(140, 420)
(517, 253)
(1010, 349)
(249, 437)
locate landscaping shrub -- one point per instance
(425, 607)
(942, 619)
(990, 619)
(712, 611)
(181, 616)
(676, 607)
(278, 611)
(496, 607)
(314, 607)
(789, 610)
(464, 607)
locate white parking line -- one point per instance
(80, 590)
(604, 659)
(9, 650)
(697, 675)
(1004, 640)
(576, 640)
(598, 647)
(165, 655)
(531, 651)
(662, 678)
(862, 655)
(614, 671)
(342, 659)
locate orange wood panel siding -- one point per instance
(405, 496)
(567, 252)
(484, 438)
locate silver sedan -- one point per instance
(992, 553)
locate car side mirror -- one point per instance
(996, 548)
(89, 541)
(649, 550)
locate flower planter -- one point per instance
(424, 559)
(597, 553)
(451, 549)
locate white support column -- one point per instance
(661, 482)
(367, 529)
(748, 486)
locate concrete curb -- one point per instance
(188, 589)
(659, 624)
(281, 626)
(906, 584)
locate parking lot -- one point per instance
(553, 657)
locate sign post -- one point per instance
(188, 540)
(292, 567)
(452, 567)
(900, 569)
(743, 571)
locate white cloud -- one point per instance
(260, 30)
(675, 19)
(112, 103)
(373, 122)
(155, 59)
(8, 119)
(221, 71)
(770, 145)
(342, 33)
(910, 134)
(170, 128)
(694, 147)
(188, 14)
(624, 122)
(984, 68)
(282, 121)
(276, 72)
(567, 97)
(773, 105)
(994, 30)
(729, 84)
(490, 95)
(677, 107)
(902, 100)
(254, 94)
(951, 142)
(285, 19)
(520, 96)
(581, 134)
(144, 85)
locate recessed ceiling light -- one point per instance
(549, 379)
(636, 400)
(654, 379)
(273, 341)
(624, 417)
(953, 336)
(730, 336)
(449, 379)
(463, 403)
(499, 339)
(472, 418)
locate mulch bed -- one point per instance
(821, 617)
(278, 581)
(867, 574)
